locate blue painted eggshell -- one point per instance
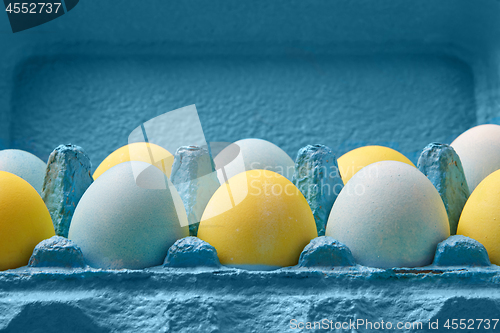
(25, 165)
(389, 215)
(128, 218)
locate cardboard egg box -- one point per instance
(340, 73)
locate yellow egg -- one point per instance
(355, 160)
(24, 221)
(139, 151)
(258, 219)
(480, 217)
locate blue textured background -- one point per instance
(341, 73)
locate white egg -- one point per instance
(479, 152)
(390, 215)
(25, 165)
(252, 154)
(128, 218)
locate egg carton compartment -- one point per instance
(340, 73)
(218, 300)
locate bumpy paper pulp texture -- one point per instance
(57, 251)
(461, 251)
(318, 179)
(401, 95)
(349, 101)
(230, 300)
(191, 252)
(194, 177)
(441, 164)
(67, 178)
(325, 252)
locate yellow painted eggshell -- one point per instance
(480, 217)
(258, 219)
(355, 160)
(139, 151)
(24, 221)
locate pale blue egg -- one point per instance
(128, 218)
(25, 165)
(389, 215)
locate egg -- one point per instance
(479, 152)
(139, 151)
(124, 222)
(480, 217)
(24, 221)
(390, 215)
(252, 154)
(25, 165)
(258, 220)
(355, 160)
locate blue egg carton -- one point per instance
(340, 73)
